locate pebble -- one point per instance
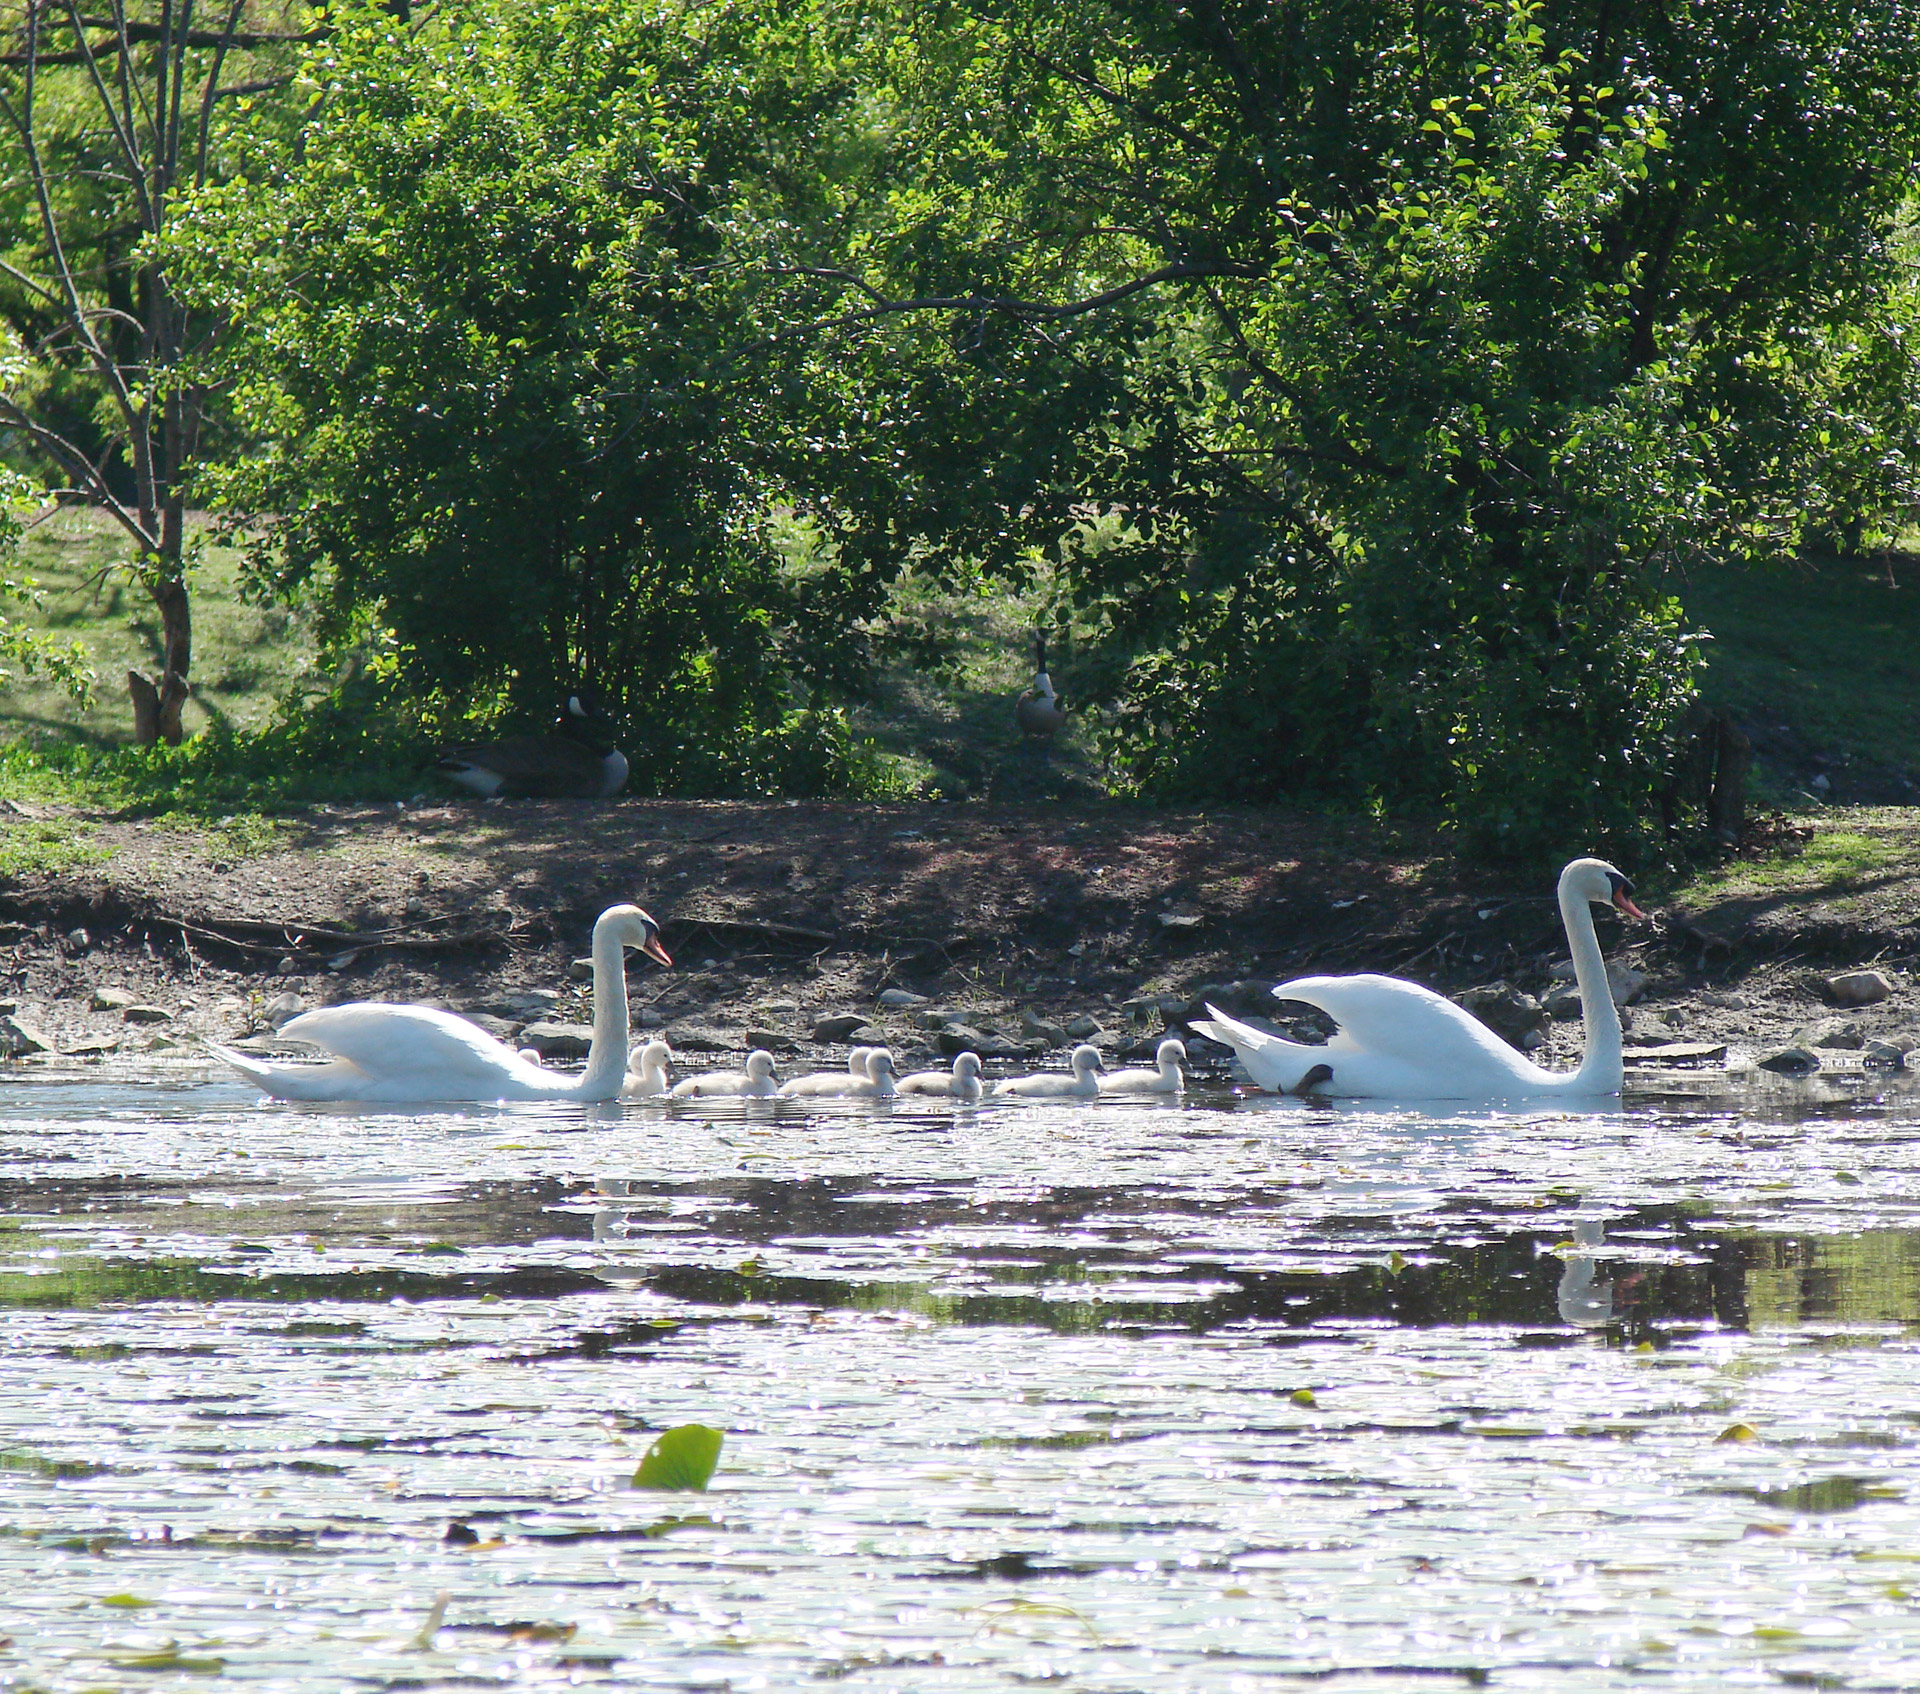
(964, 1038)
(1627, 983)
(1506, 1010)
(112, 999)
(20, 1035)
(1036, 1028)
(1726, 1002)
(780, 1040)
(1084, 1027)
(899, 999)
(556, 1040)
(1830, 1032)
(146, 1014)
(1860, 988)
(501, 1029)
(838, 1026)
(1791, 1061)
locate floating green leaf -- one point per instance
(680, 1460)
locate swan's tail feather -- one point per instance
(261, 1075)
(1272, 1061)
(337, 1079)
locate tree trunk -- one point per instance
(157, 707)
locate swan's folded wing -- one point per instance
(1383, 1014)
(402, 1041)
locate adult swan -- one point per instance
(1399, 1041)
(397, 1053)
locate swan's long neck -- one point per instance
(1600, 1066)
(607, 1056)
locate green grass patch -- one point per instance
(245, 657)
(1824, 651)
(1858, 848)
(28, 849)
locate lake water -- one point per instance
(1226, 1396)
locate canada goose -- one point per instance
(830, 1082)
(1399, 1041)
(1164, 1078)
(962, 1083)
(577, 762)
(1083, 1084)
(1038, 712)
(397, 1053)
(757, 1080)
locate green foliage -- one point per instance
(35, 651)
(1505, 312)
(518, 416)
(681, 1460)
(1359, 373)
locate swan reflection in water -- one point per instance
(1584, 1301)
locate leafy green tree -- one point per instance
(1423, 344)
(514, 325)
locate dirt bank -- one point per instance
(782, 913)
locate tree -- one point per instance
(1427, 341)
(110, 121)
(511, 324)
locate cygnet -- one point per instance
(1083, 1084)
(961, 1083)
(757, 1081)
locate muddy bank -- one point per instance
(781, 914)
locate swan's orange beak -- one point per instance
(1624, 901)
(653, 950)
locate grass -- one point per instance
(244, 657)
(1819, 658)
(30, 848)
(1863, 843)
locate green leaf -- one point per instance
(681, 1460)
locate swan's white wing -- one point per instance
(1406, 1042)
(419, 1046)
(1383, 1014)
(924, 1082)
(334, 1080)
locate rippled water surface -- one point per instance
(1235, 1395)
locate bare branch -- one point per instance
(93, 481)
(1007, 305)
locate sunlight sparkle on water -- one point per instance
(1234, 1395)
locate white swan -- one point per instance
(1399, 1041)
(400, 1053)
(962, 1083)
(1083, 1084)
(830, 1082)
(757, 1081)
(1164, 1078)
(647, 1070)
